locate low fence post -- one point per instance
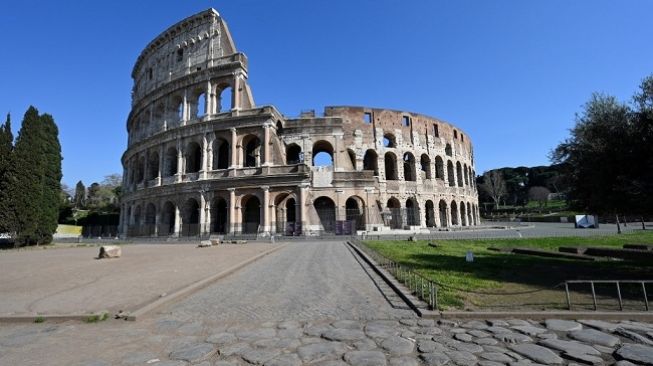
(568, 297)
(645, 297)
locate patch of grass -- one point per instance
(97, 317)
(473, 285)
(39, 319)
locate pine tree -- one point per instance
(6, 152)
(80, 195)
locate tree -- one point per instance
(494, 185)
(539, 194)
(7, 222)
(80, 195)
(51, 179)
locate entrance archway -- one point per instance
(412, 212)
(354, 212)
(251, 208)
(219, 216)
(442, 206)
(326, 212)
(454, 213)
(168, 220)
(395, 213)
(430, 214)
(191, 218)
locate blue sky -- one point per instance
(511, 74)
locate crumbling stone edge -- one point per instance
(419, 307)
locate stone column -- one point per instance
(203, 214)
(180, 162)
(266, 144)
(209, 154)
(185, 112)
(265, 209)
(177, 231)
(234, 149)
(209, 99)
(146, 168)
(238, 85)
(302, 193)
(436, 213)
(273, 217)
(449, 215)
(336, 151)
(157, 222)
(232, 210)
(161, 161)
(339, 216)
(422, 214)
(204, 168)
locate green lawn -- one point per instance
(495, 272)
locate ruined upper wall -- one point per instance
(194, 44)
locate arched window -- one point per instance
(293, 154)
(251, 208)
(168, 221)
(219, 215)
(459, 174)
(451, 174)
(430, 214)
(454, 213)
(442, 206)
(170, 162)
(412, 212)
(371, 161)
(150, 219)
(251, 151)
(466, 173)
(463, 214)
(409, 167)
(396, 218)
(448, 151)
(354, 212)
(226, 100)
(425, 165)
(193, 157)
(140, 170)
(439, 168)
(152, 166)
(390, 166)
(389, 140)
(322, 154)
(200, 105)
(221, 152)
(190, 219)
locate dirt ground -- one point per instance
(72, 281)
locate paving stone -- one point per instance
(191, 328)
(281, 343)
(458, 330)
(290, 333)
(233, 349)
(462, 358)
(225, 363)
(255, 335)
(365, 345)
(584, 358)
(310, 340)
(380, 331)
(343, 335)
(486, 341)
(594, 336)
(498, 349)
(448, 323)
(194, 353)
(403, 361)
(167, 325)
(603, 349)
(498, 323)
(599, 324)
(513, 338)
(222, 339)
(320, 351)
(479, 333)
(467, 347)
(518, 322)
(408, 334)
(633, 336)
(489, 363)
(398, 346)
(408, 322)
(173, 363)
(258, 356)
(289, 324)
(435, 359)
(430, 347)
(537, 353)
(135, 358)
(316, 331)
(474, 324)
(515, 355)
(636, 326)
(463, 337)
(365, 358)
(547, 336)
(426, 322)
(569, 346)
(331, 363)
(525, 362)
(637, 353)
(284, 360)
(529, 330)
(347, 324)
(624, 363)
(94, 363)
(496, 356)
(498, 330)
(560, 325)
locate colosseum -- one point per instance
(204, 159)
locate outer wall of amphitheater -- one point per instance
(202, 158)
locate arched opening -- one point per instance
(279, 128)
(352, 158)
(140, 170)
(371, 161)
(463, 214)
(251, 208)
(226, 100)
(439, 168)
(221, 151)
(389, 140)
(170, 162)
(152, 166)
(474, 217)
(466, 173)
(159, 114)
(451, 174)
(430, 214)
(454, 213)
(425, 165)
(447, 150)
(409, 167)
(219, 216)
(395, 213)
(190, 219)
(150, 219)
(291, 214)
(293, 152)
(168, 221)
(193, 157)
(459, 174)
(200, 106)
(442, 206)
(412, 212)
(137, 217)
(390, 166)
(178, 108)
(354, 212)
(326, 212)
(470, 214)
(251, 151)
(322, 154)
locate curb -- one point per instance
(413, 302)
(139, 313)
(50, 318)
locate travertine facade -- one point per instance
(203, 158)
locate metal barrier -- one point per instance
(420, 286)
(617, 283)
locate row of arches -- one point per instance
(443, 215)
(465, 175)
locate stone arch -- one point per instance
(168, 219)
(226, 99)
(439, 168)
(470, 214)
(322, 149)
(355, 212)
(390, 166)
(190, 218)
(451, 174)
(371, 161)
(409, 167)
(412, 212)
(199, 104)
(140, 169)
(442, 207)
(150, 219)
(170, 167)
(176, 108)
(293, 152)
(219, 215)
(430, 214)
(389, 140)
(459, 174)
(251, 214)
(466, 174)
(448, 151)
(152, 166)
(326, 212)
(352, 158)
(286, 213)
(193, 157)
(221, 154)
(425, 165)
(137, 216)
(463, 214)
(395, 213)
(454, 213)
(251, 147)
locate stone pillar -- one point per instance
(238, 85)
(204, 168)
(339, 216)
(422, 214)
(266, 145)
(180, 162)
(209, 99)
(302, 193)
(177, 231)
(265, 209)
(449, 215)
(336, 151)
(273, 218)
(232, 210)
(146, 164)
(157, 222)
(234, 149)
(185, 112)
(209, 154)
(161, 161)
(203, 213)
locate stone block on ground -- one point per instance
(110, 251)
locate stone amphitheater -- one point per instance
(203, 158)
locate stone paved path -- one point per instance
(271, 314)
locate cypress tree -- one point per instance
(51, 185)
(80, 195)
(6, 152)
